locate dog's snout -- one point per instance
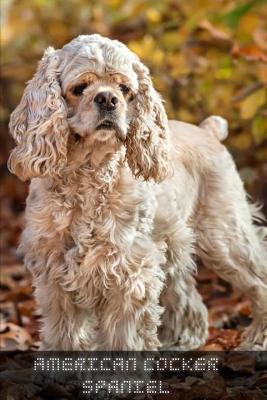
(106, 100)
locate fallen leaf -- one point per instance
(262, 72)
(242, 362)
(242, 141)
(259, 129)
(251, 104)
(232, 18)
(250, 53)
(212, 347)
(227, 338)
(17, 376)
(262, 380)
(214, 32)
(54, 390)
(260, 38)
(17, 294)
(14, 337)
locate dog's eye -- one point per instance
(125, 89)
(78, 90)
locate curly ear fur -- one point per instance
(39, 124)
(147, 140)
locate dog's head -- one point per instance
(91, 91)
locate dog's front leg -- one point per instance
(185, 319)
(130, 314)
(65, 326)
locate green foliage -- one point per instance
(233, 17)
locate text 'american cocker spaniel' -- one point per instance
(121, 203)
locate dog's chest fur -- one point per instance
(85, 213)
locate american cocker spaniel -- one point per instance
(122, 202)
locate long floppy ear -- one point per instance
(147, 143)
(39, 124)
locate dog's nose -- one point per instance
(106, 100)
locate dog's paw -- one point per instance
(187, 342)
(255, 336)
(192, 336)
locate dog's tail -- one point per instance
(216, 125)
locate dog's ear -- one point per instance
(39, 124)
(147, 144)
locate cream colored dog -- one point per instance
(121, 202)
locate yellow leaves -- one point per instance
(171, 40)
(215, 96)
(147, 49)
(157, 57)
(252, 103)
(259, 129)
(247, 25)
(178, 64)
(5, 31)
(262, 72)
(243, 141)
(225, 69)
(58, 30)
(260, 38)
(224, 73)
(185, 44)
(185, 115)
(5, 34)
(14, 28)
(262, 154)
(160, 83)
(256, 134)
(114, 3)
(153, 15)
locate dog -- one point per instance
(122, 203)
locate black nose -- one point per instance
(106, 100)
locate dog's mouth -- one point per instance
(77, 137)
(107, 125)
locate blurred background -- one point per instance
(206, 57)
